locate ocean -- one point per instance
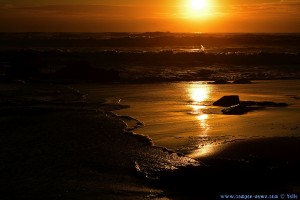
(160, 56)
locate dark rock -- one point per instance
(242, 81)
(249, 103)
(236, 110)
(227, 101)
(272, 104)
(219, 81)
(280, 104)
(263, 103)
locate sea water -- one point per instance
(181, 117)
(176, 107)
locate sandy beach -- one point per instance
(56, 145)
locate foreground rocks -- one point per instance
(237, 107)
(226, 101)
(236, 110)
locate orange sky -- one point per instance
(155, 15)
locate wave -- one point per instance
(149, 39)
(164, 57)
(148, 66)
(152, 56)
(157, 48)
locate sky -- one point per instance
(146, 16)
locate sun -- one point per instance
(198, 5)
(198, 9)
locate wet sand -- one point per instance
(56, 145)
(62, 147)
(265, 166)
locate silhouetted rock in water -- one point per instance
(227, 101)
(263, 104)
(242, 81)
(236, 110)
(236, 107)
(219, 81)
(83, 71)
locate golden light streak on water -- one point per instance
(198, 92)
(204, 150)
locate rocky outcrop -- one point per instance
(237, 107)
(263, 104)
(242, 81)
(235, 110)
(227, 101)
(219, 81)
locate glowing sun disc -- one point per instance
(197, 4)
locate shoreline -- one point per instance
(58, 145)
(270, 162)
(65, 150)
(144, 138)
(272, 159)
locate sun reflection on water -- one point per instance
(203, 117)
(203, 151)
(199, 94)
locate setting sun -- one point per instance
(197, 4)
(196, 9)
